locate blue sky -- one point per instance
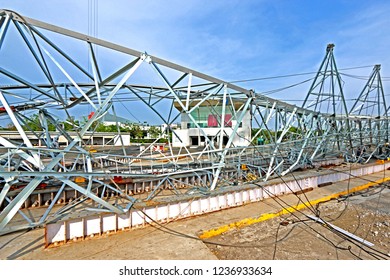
(236, 40)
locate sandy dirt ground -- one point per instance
(296, 237)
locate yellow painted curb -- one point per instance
(267, 216)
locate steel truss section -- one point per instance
(63, 179)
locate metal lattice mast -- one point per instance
(326, 96)
(371, 102)
(326, 92)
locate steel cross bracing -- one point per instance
(39, 77)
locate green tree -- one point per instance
(101, 127)
(33, 124)
(154, 131)
(71, 124)
(10, 127)
(93, 126)
(265, 134)
(136, 131)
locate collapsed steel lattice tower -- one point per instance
(40, 77)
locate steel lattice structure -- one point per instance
(63, 82)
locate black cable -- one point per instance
(281, 177)
(292, 75)
(177, 233)
(286, 87)
(276, 241)
(168, 230)
(348, 188)
(161, 226)
(377, 254)
(349, 195)
(331, 229)
(377, 206)
(351, 175)
(284, 182)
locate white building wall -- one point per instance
(184, 137)
(125, 140)
(241, 138)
